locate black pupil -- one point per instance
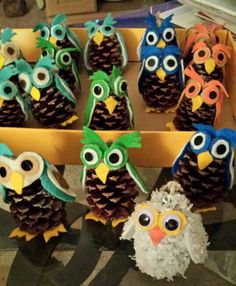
(97, 90)
(171, 224)
(23, 83)
(201, 54)
(66, 58)
(221, 149)
(3, 172)
(88, 156)
(92, 30)
(7, 89)
(191, 89)
(151, 63)
(107, 28)
(144, 220)
(217, 39)
(44, 53)
(151, 38)
(168, 35)
(26, 165)
(212, 95)
(124, 86)
(10, 51)
(41, 76)
(198, 140)
(43, 33)
(114, 158)
(171, 63)
(58, 32)
(220, 57)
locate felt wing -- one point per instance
(86, 55)
(73, 39)
(175, 165)
(64, 89)
(135, 176)
(123, 50)
(89, 110)
(141, 76)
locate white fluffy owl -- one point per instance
(167, 234)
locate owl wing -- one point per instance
(83, 176)
(75, 72)
(123, 49)
(4, 193)
(131, 113)
(73, 39)
(64, 89)
(24, 107)
(140, 77)
(181, 73)
(129, 228)
(230, 171)
(139, 48)
(86, 62)
(135, 176)
(89, 111)
(175, 165)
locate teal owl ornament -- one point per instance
(108, 106)
(36, 193)
(60, 35)
(53, 103)
(14, 110)
(105, 47)
(108, 176)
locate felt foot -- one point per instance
(116, 221)
(170, 126)
(48, 234)
(94, 217)
(17, 232)
(205, 210)
(152, 110)
(69, 121)
(171, 109)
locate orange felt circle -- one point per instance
(192, 89)
(220, 58)
(211, 95)
(201, 55)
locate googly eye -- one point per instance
(211, 95)
(11, 51)
(90, 156)
(145, 218)
(168, 35)
(66, 59)
(171, 222)
(220, 58)
(115, 157)
(24, 81)
(170, 63)
(45, 33)
(198, 141)
(41, 77)
(151, 38)
(58, 32)
(220, 149)
(151, 63)
(98, 91)
(201, 55)
(192, 89)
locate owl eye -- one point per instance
(198, 141)
(45, 33)
(107, 30)
(11, 51)
(66, 59)
(192, 89)
(5, 172)
(98, 91)
(115, 157)
(151, 63)
(201, 55)
(8, 90)
(220, 58)
(90, 156)
(58, 32)
(211, 95)
(220, 149)
(170, 63)
(168, 34)
(24, 81)
(120, 86)
(27, 165)
(41, 77)
(145, 218)
(172, 222)
(151, 38)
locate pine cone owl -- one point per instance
(167, 235)
(105, 47)
(108, 176)
(13, 108)
(200, 102)
(60, 35)
(108, 106)
(53, 103)
(160, 34)
(204, 167)
(36, 193)
(161, 78)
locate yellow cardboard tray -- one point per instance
(160, 147)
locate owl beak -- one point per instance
(204, 159)
(110, 104)
(156, 235)
(35, 93)
(98, 38)
(102, 171)
(2, 61)
(161, 74)
(161, 44)
(1, 102)
(196, 103)
(17, 181)
(53, 41)
(210, 65)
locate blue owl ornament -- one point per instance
(161, 78)
(205, 166)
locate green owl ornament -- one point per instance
(36, 193)
(53, 103)
(108, 106)
(105, 47)
(108, 177)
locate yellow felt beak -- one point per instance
(161, 44)
(102, 171)
(110, 104)
(210, 65)
(161, 74)
(2, 61)
(35, 93)
(204, 159)
(196, 103)
(53, 41)
(98, 38)
(17, 181)
(1, 102)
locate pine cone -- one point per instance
(35, 210)
(115, 199)
(67, 44)
(105, 56)
(217, 74)
(202, 187)
(11, 114)
(69, 78)
(119, 120)
(161, 95)
(185, 118)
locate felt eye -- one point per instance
(220, 149)
(201, 55)
(11, 51)
(107, 30)
(192, 89)
(98, 91)
(198, 141)
(172, 222)
(120, 86)
(66, 59)
(58, 32)
(220, 58)
(211, 95)
(5, 172)
(170, 63)
(123, 86)
(29, 164)
(90, 156)
(145, 218)
(41, 77)
(151, 63)
(151, 38)
(45, 33)
(45, 53)
(168, 35)
(115, 157)
(24, 81)
(8, 90)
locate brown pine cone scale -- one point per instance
(11, 114)
(217, 74)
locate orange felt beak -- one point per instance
(156, 235)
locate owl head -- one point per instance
(58, 32)
(216, 56)
(209, 145)
(199, 92)
(9, 52)
(105, 157)
(42, 76)
(166, 233)
(19, 172)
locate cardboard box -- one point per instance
(160, 147)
